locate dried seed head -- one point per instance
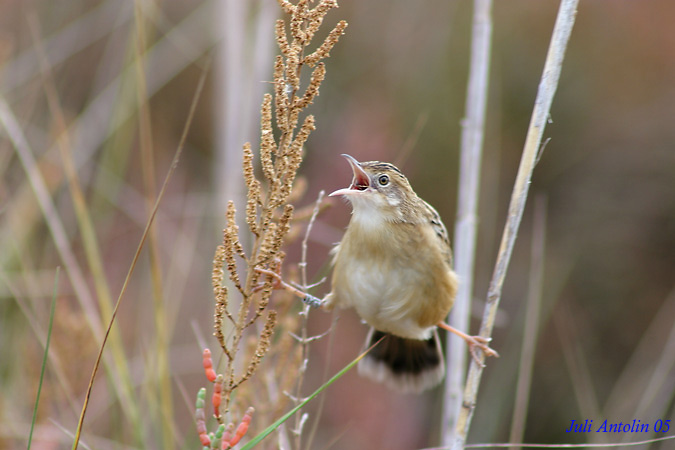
(249, 171)
(220, 311)
(252, 201)
(295, 157)
(230, 213)
(296, 148)
(292, 119)
(265, 295)
(324, 50)
(266, 116)
(231, 244)
(280, 95)
(229, 238)
(313, 89)
(286, 6)
(220, 295)
(262, 347)
(315, 16)
(232, 230)
(267, 252)
(268, 146)
(297, 21)
(293, 67)
(283, 227)
(217, 273)
(282, 40)
(268, 209)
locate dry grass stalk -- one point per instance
(269, 213)
(549, 83)
(466, 225)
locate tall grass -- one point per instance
(81, 243)
(96, 98)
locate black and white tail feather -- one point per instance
(406, 365)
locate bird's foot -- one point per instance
(279, 283)
(475, 343)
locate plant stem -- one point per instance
(473, 132)
(45, 356)
(542, 106)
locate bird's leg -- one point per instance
(279, 283)
(474, 343)
(274, 273)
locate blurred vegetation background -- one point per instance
(121, 76)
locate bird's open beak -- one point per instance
(360, 182)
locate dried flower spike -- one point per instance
(262, 347)
(217, 273)
(268, 146)
(280, 36)
(268, 212)
(313, 89)
(324, 50)
(286, 6)
(315, 16)
(280, 95)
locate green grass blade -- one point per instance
(44, 358)
(267, 431)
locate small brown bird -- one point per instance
(394, 267)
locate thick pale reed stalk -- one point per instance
(240, 75)
(542, 106)
(473, 131)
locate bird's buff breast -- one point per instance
(394, 291)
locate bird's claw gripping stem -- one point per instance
(475, 343)
(314, 302)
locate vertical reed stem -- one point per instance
(473, 132)
(542, 106)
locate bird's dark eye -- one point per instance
(383, 180)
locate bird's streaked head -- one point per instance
(378, 188)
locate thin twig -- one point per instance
(322, 398)
(44, 357)
(524, 445)
(305, 240)
(55, 361)
(304, 339)
(473, 131)
(547, 87)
